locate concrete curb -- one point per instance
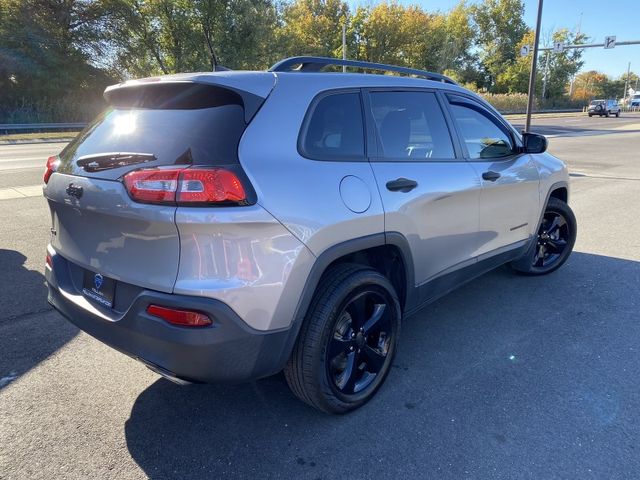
(522, 116)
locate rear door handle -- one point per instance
(401, 185)
(491, 176)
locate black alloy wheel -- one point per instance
(553, 238)
(360, 344)
(553, 242)
(347, 341)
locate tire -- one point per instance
(590, 115)
(554, 242)
(607, 114)
(618, 114)
(331, 367)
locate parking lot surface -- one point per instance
(507, 377)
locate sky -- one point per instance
(599, 19)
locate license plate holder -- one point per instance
(99, 288)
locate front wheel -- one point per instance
(618, 114)
(347, 342)
(554, 242)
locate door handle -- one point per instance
(401, 185)
(491, 176)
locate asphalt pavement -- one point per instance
(507, 377)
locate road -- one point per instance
(507, 377)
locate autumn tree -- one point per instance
(312, 27)
(500, 27)
(167, 36)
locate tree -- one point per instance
(410, 36)
(168, 36)
(312, 27)
(590, 85)
(515, 77)
(558, 68)
(47, 47)
(500, 26)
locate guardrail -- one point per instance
(6, 128)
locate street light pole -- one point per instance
(534, 64)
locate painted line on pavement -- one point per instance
(20, 192)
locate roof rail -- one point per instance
(316, 64)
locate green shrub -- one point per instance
(508, 102)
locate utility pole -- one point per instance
(626, 84)
(546, 73)
(534, 64)
(344, 44)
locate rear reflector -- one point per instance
(52, 166)
(185, 186)
(48, 261)
(184, 318)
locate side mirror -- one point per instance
(534, 143)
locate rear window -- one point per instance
(205, 132)
(334, 129)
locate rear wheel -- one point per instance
(554, 243)
(607, 114)
(618, 114)
(347, 342)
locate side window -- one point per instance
(482, 135)
(335, 130)
(411, 126)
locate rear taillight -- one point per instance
(48, 261)
(199, 185)
(52, 166)
(185, 186)
(152, 186)
(184, 318)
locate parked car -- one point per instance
(226, 226)
(634, 101)
(604, 108)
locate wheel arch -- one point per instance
(389, 253)
(560, 191)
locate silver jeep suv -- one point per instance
(226, 226)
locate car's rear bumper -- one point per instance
(228, 351)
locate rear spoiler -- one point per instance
(192, 91)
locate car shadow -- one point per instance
(508, 375)
(29, 330)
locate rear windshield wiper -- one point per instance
(98, 162)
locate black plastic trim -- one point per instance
(228, 351)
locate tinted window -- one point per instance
(482, 135)
(335, 128)
(207, 136)
(411, 125)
